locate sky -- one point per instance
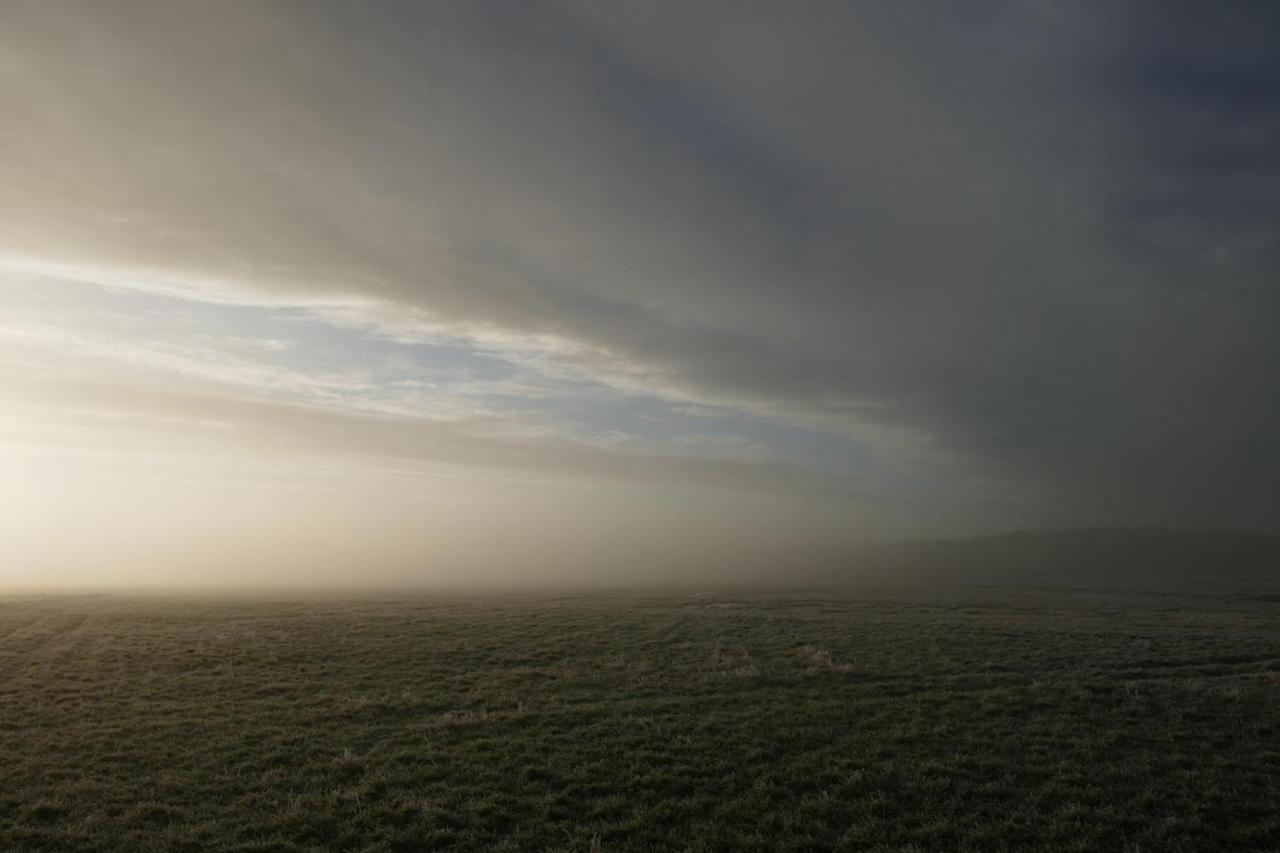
(296, 292)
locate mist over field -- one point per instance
(586, 425)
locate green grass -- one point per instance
(977, 719)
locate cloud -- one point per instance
(1025, 246)
(142, 418)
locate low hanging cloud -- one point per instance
(1025, 246)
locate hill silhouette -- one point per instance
(1089, 557)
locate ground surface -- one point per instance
(983, 719)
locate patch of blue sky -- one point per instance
(427, 376)
(287, 337)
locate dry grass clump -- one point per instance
(815, 658)
(732, 659)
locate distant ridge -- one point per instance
(1092, 556)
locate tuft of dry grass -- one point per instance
(732, 659)
(816, 658)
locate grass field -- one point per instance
(976, 719)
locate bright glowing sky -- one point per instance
(309, 292)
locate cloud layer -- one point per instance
(1004, 254)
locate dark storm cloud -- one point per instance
(1039, 237)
